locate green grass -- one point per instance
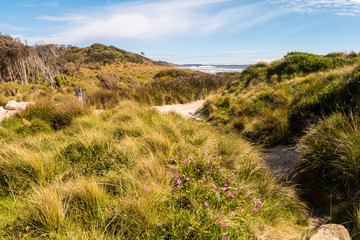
(329, 168)
(130, 173)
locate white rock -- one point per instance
(331, 232)
(12, 105)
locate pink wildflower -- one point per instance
(187, 179)
(251, 231)
(206, 204)
(178, 186)
(185, 162)
(144, 189)
(224, 188)
(225, 184)
(233, 196)
(255, 209)
(159, 224)
(254, 199)
(260, 202)
(173, 159)
(223, 224)
(214, 185)
(178, 181)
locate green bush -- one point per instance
(59, 81)
(172, 73)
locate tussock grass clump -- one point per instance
(22, 168)
(329, 167)
(331, 154)
(46, 212)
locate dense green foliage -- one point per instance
(269, 112)
(295, 64)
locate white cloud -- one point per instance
(338, 7)
(158, 18)
(69, 17)
(11, 27)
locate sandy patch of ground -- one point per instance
(187, 110)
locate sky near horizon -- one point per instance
(190, 31)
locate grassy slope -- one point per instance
(131, 173)
(269, 112)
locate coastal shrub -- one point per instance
(109, 81)
(59, 81)
(173, 73)
(102, 99)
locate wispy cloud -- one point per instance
(69, 17)
(11, 27)
(159, 18)
(338, 7)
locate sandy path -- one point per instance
(187, 110)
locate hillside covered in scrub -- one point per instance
(115, 168)
(103, 72)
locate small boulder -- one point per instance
(331, 232)
(12, 105)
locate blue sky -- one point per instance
(190, 31)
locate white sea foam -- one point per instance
(215, 68)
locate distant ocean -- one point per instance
(214, 68)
